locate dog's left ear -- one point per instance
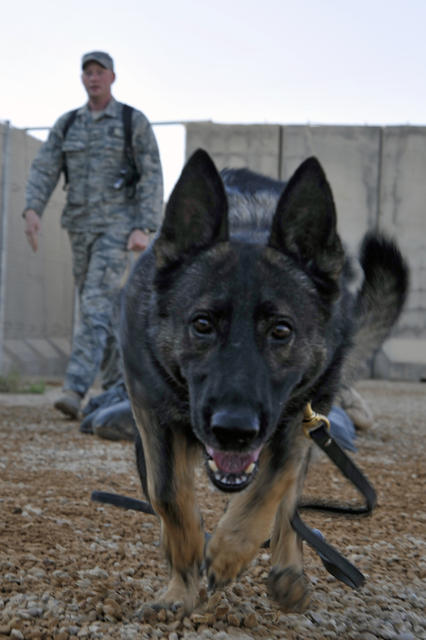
(304, 226)
(197, 212)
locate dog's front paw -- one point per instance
(225, 561)
(180, 596)
(148, 612)
(290, 588)
(221, 570)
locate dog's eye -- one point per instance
(281, 331)
(202, 325)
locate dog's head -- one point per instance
(245, 325)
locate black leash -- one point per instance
(124, 502)
(316, 426)
(333, 561)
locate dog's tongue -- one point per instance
(231, 462)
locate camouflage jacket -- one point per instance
(93, 149)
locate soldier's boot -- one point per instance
(115, 422)
(356, 408)
(69, 403)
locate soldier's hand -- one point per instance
(32, 228)
(138, 240)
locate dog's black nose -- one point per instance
(235, 427)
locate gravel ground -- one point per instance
(70, 568)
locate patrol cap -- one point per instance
(101, 57)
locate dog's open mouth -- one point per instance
(231, 471)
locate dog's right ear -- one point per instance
(196, 214)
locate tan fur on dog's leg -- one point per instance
(287, 583)
(248, 520)
(181, 527)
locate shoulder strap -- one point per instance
(69, 122)
(127, 124)
(129, 155)
(65, 130)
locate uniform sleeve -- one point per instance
(45, 169)
(150, 186)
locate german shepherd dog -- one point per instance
(240, 314)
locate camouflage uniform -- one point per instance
(99, 220)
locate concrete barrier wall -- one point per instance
(350, 157)
(36, 289)
(377, 176)
(378, 179)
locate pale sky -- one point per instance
(235, 61)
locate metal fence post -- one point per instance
(4, 208)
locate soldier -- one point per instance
(113, 203)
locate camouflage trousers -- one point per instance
(100, 261)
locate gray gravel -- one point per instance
(72, 569)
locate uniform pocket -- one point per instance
(115, 140)
(76, 162)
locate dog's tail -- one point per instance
(379, 302)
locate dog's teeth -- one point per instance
(250, 468)
(213, 466)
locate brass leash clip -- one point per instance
(312, 421)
